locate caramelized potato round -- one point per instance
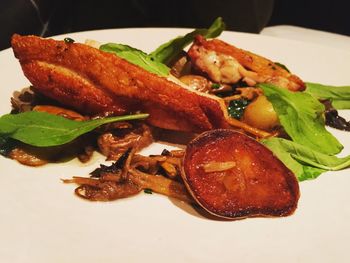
(233, 176)
(260, 114)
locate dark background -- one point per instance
(332, 16)
(46, 18)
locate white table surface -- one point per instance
(323, 38)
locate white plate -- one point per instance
(43, 221)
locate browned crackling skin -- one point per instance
(93, 82)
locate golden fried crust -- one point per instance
(70, 89)
(263, 66)
(93, 81)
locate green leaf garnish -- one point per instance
(43, 129)
(281, 149)
(301, 116)
(145, 62)
(136, 57)
(157, 60)
(116, 48)
(340, 96)
(311, 157)
(303, 161)
(168, 51)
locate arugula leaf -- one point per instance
(168, 51)
(116, 48)
(301, 116)
(304, 162)
(281, 148)
(310, 173)
(136, 57)
(145, 62)
(311, 157)
(340, 96)
(43, 129)
(216, 28)
(157, 60)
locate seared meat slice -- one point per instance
(93, 82)
(225, 63)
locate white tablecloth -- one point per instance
(309, 35)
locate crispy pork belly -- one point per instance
(94, 82)
(225, 63)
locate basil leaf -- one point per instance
(281, 149)
(340, 96)
(301, 116)
(136, 57)
(43, 129)
(168, 51)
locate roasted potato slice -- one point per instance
(233, 176)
